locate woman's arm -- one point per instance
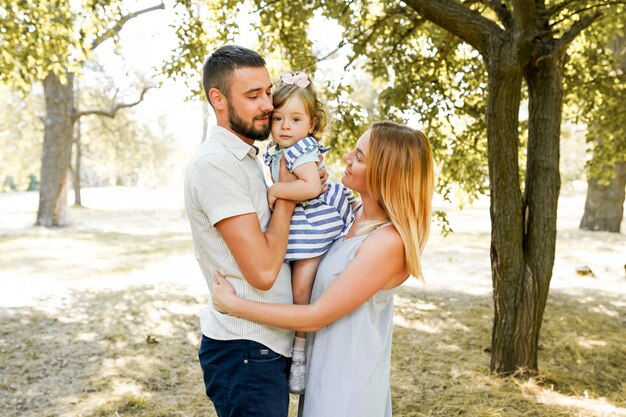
(382, 253)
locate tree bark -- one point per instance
(77, 159)
(523, 228)
(604, 206)
(78, 154)
(56, 152)
(541, 195)
(507, 261)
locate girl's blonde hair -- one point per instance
(307, 95)
(400, 179)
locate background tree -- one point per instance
(47, 41)
(465, 69)
(123, 150)
(103, 100)
(598, 95)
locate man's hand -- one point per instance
(284, 175)
(323, 175)
(271, 197)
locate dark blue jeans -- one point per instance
(244, 378)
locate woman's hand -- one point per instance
(223, 294)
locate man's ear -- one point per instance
(217, 99)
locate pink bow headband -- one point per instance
(300, 79)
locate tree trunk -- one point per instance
(541, 195)
(78, 155)
(76, 178)
(604, 206)
(507, 261)
(56, 153)
(523, 229)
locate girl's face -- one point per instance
(291, 122)
(356, 165)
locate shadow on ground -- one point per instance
(132, 352)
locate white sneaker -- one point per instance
(297, 375)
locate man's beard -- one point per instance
(247, 129)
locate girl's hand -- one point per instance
(223, 293)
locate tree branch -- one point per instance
(267, 4)
(498, 7)
(524, 13)
(558, 7)
(111, 113)
(575, 30)
(465, 23)
(501, 11)
(115, 29)
(354, 39)
(586, 9)
(345, 9)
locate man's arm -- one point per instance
(259, 255)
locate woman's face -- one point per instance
(356, 165)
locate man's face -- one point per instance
(250, 103)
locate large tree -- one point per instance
(47, 41)
(466, 68)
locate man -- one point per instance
(245, 365)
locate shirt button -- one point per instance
(245, 361)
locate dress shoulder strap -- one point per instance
(371, 232)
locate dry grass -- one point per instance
(132, 352)
(108, 327)
(439, 363)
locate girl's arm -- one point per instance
(305, 187)
(379, 264)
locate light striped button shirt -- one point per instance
(225, 179)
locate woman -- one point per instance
(351, 307)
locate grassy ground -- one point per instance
(100, 319)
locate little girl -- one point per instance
(297, 118)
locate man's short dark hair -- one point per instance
(220, 65)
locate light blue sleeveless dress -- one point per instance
(349, 360)
(317, 222)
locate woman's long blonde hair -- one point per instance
(400, 179)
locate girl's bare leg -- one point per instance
(302, 277)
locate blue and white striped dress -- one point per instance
(317, 222)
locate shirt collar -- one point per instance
(233, 143)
